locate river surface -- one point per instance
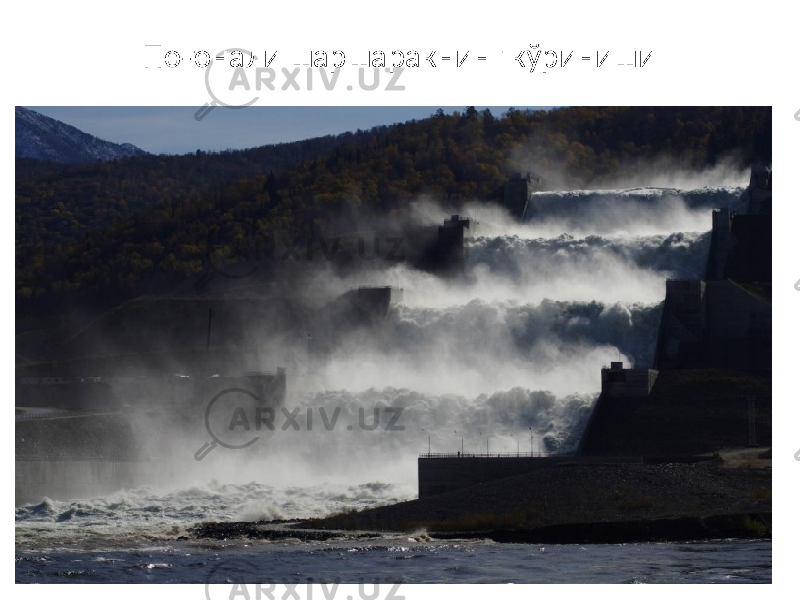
(404, 560)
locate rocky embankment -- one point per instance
(572, 503)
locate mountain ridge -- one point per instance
(40, 137)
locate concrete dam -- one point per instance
(710, 385)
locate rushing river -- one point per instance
(508, 359)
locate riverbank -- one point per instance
(570, 503)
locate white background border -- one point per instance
(734, 53)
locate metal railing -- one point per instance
(565, 455)
(490, 455)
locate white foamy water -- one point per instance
(158, 514)
(508, 356)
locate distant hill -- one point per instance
(38, 136)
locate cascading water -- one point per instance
(507, 358)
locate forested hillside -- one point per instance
(97, 232)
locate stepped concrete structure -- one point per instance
(517, 193)
(725, 319)
(618, 382)
(710, 386)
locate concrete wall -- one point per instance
(438, 475)
(759, 193)
(449, 255)
(713, 323)
(627, 383)
(688, 412)
(720, 243)
(443, 253)
(750, 256)
(515, 195)
(74, 479)
(741, 247)
(686, 303)
(734, 313)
